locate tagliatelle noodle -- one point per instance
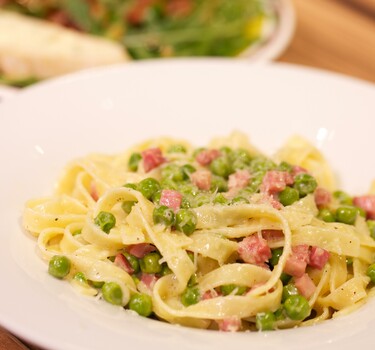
(65, 224)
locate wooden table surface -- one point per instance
(335, 35)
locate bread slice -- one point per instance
(33, 48)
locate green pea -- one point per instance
(288, 196)
(173, 172)
(227, 289)
(240, 159)
(163, 215)
(349, 261)
(346, 214)
(361, 212)
(265, 321)
(105, 220)
(305, 184)
(141, 303)
(190, 296)
(187, 169)
(112, 293)
(285, 278)
(186, 221)
(220, 166)
(285, 166)
(156, 197)
(326, 215)
(77, 232)
(276, 253)
(255, 182)
(97, 284)
(220, 199)
(185, 203)
(226, 150)
(191, 256)
(150, 263)
(201, 198)
(193, 280)
(371, 272)
(261, 164)
(165, 269)
(127, 206)
(59, 266)
(133, 261)
(176, 148)
(239, 200)
(371, 227)
(80, 277)
(148, 187)
(134, 161)
(279, 313)
(289, 290)
(219, 184)
(297, 307)
(131, 185)
(343, 197)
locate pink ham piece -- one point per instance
(229, 324)
(171, 199)
(296, 264)
(367, 203)
(149, 280)
(270, 199)
(318, 257)
(94, 191)
(202, 179)
(254, 250)
(275, 181)
(152, 158)
(206, 156)
(305, 285)
(238, 180)
(273, 235)
(141, 249)
(322, 197)
(123, 263)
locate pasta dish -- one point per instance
(219, 237)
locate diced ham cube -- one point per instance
(206, 156)
(254, 250)
(210, 294)
(229, 324)
(296, 264)
(238, 180)
(202, 179)
(318, 257)
(305, 285)
(148, 280)
(367, 203)
(271, 200)
(152, 158)
(171, 199)
(123, 263)
(322, 197)
(141, 249)
(275, 181)
(272, 235)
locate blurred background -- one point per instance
(337, 35)
(40, 39)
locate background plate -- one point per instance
(109, 109)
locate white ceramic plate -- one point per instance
(107, 110)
